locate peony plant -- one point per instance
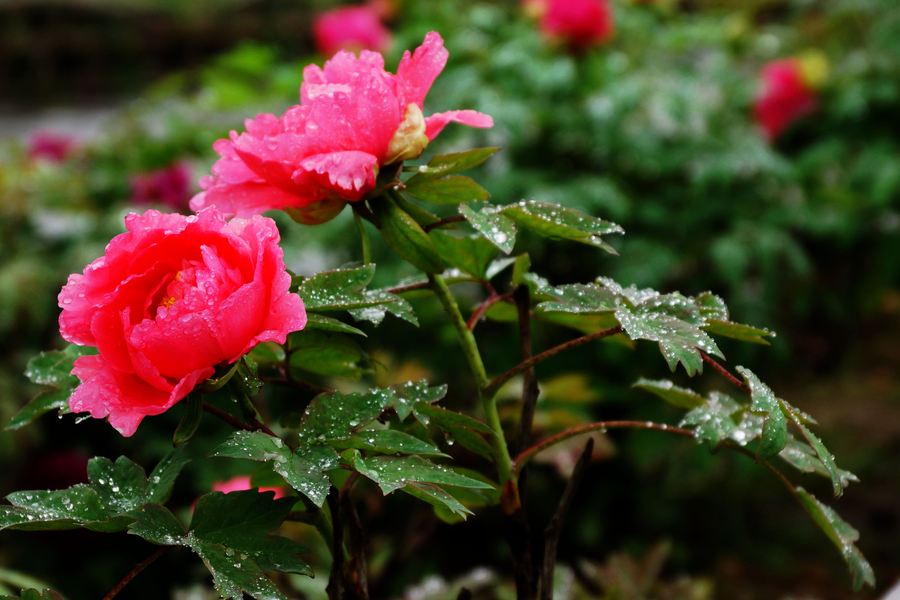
(198, 314)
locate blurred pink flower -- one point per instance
(50, 146)
(242, 483)
(353, 118)
(579, 23)
(169, 186)
(784, 98)
(351, 28)
(173, 297)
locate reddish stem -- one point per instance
(482, 308)
(724, 372)
(135, 571)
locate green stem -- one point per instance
(363, 238)
(473, 357)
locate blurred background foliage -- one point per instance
(652, 130)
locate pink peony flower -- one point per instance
(353, 118)
(579, 23)
(351, 28)
(171, 298)
(785, 97)
(242, 483)
(170, 186)
(50, 146)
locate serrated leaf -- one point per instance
(405, 236)
(842, 535)
(408, 394)
(671, 393)
(826, 458)
(739, 331)
(323, 323)
(457, 428)
(304, 469)
(577, 298)
(764, 403)
(560, 222)
(455, 162)
(328, 354)
(231, 534)
(802, 457)
(334, 416)
(471, 254)
(496, 228)
(53, 368)
(107, 503)
(713, 421)
(393, 473)
(389, 441)
(448, 189)
(711, 306)
(344, 289)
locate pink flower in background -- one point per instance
(353, 118)
(50, 146)
(173, 297)
(351, 28)
(579, 23)
(784, 98)
(169, 186)
(242, 483)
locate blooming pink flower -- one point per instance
(50, 146)
(171, 298)
(170, 186)
(579, 23)
(242, 483)
(351, 28)
(353, 118)
(785, 97)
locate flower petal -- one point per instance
(417, 72)
(435, 124)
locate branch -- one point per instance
(135, 571)
(482, 308)
(410, 287)
(530, 389)
(724, 372)
(554, 527)
(445, 221)
(562, 436)
(495, 384)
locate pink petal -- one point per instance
(435, 124)
(353, 173)
(247, 199)
(417, 72)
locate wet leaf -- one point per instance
(671, 393)
(449, 189)
(455, 162)
(764, 403)
(393, 473)
(496, 228)
(471, 253)
(560, 222)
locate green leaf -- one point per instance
(344, 289)
(577, 298)
(711, 306)
(323, 323)
(231, 534)
(406, 237)
(389, 441)
(456, 427)
(764, 403)
(334, 416)
(411, 393)
(449, 189)
(190, 420)
(739, 331)
(472, 253)
(446, 506)
(838, 478)
(713, 421)
(802, 457)
(269, 353)
(393, 473)
(842, 535)
(53, 368)
(560, 222)
(304, 469)
(496, 228)
(328, 354)
(107, 503)
(455, 162)
(671, 393)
